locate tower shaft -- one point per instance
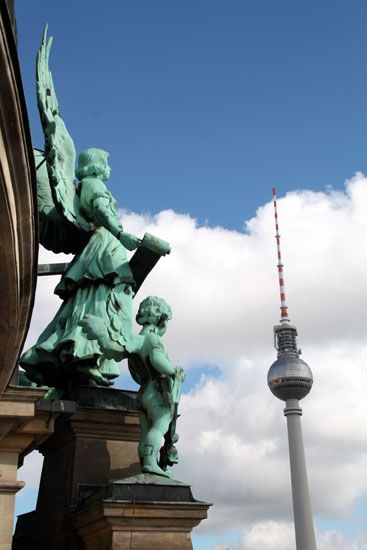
(303, 523)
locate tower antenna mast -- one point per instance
(283, 302)
(290, 379)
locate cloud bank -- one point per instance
(222, 286)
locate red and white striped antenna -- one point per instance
(284, 319)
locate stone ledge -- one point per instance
(11, 487)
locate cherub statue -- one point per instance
(160, 382)
(79, 217)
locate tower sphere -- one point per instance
(289, 377)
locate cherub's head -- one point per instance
(154, 311)
(93, 162)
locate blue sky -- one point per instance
(204, 106)
(203, 103)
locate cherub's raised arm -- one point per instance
(159, 359)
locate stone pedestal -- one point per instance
(95, 445)
(144, 512)
(92, 495)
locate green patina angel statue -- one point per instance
(81, 217)
(159, 380)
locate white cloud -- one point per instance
(46, 302)
(30, 472)
(269, 535)
(332, 540)
(223, 288)
(272, 535)
(31, 469)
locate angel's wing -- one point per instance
(54, 233)
(59, 147)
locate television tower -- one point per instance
(290, 379)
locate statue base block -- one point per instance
(143, 512)
(91, 488)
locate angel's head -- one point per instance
(93, 162)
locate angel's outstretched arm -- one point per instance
(102, 213)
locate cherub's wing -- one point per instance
(59, 147)
(97, 329)
(55, 234)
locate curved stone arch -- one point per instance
(18, 223)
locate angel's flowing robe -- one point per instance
(99, 282)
